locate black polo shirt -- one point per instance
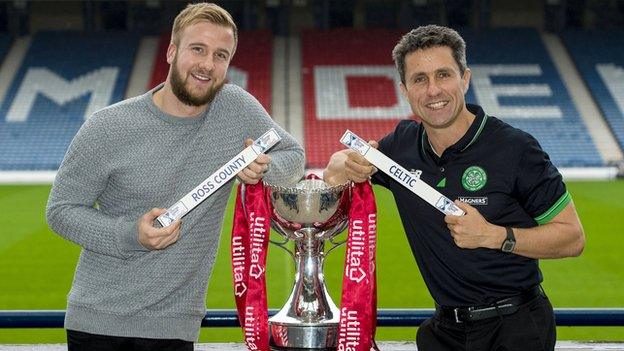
(502, 172)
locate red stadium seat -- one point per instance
(349, 82)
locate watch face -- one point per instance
(508, 246)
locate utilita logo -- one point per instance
(257, 234)
(238, 263)
(355, 253)
(349, 337)
(251, 329)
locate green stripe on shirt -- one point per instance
(554, 209)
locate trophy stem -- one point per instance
(310, 318)
(312, 304)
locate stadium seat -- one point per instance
(602, 67)
(350, 84)
(514, 78)
(64, 77)
(5, 43)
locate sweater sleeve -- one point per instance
(72, 210)
(287, 157)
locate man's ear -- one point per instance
(403, 89)
(171, 52)
(466, 79)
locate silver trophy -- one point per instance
(309, 214)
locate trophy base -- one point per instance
(277, 348)
(294, 337)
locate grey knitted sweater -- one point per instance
(127, 159)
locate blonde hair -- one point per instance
(194, 13)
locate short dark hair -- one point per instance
(426, 37)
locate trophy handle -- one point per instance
(282, 245)
(334, 244)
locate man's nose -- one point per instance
(432, 88)
(207, 63)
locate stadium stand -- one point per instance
(519, 84)
(602, 68)
(64, 77)
(5, 43)
(250, 68)
(351, 84)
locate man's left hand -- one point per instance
(471, 230)
(255, 171)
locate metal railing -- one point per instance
(385, 317)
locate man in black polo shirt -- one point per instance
(481, 268)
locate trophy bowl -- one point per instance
(309, 214)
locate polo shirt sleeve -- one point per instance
(541, 191)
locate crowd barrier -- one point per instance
(572, 317)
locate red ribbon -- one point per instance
(358, 310)
(250, 236)
(250, 239)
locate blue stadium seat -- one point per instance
(515, 80)
(5, 43)
(64, 77)
(599, 57)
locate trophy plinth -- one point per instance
(309, 214)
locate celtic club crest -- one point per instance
(474, 178)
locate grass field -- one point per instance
(36, 266)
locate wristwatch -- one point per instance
(510, 242)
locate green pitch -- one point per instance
(36, 266)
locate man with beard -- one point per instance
(137, 286)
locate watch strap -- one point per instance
(510, 241)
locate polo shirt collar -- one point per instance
(471, 136)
